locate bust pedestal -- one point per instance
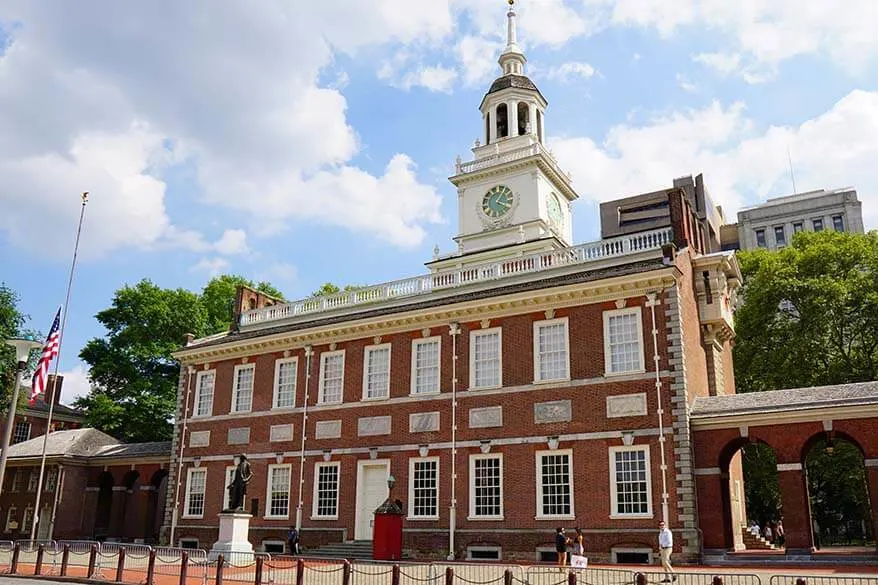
(234, 529)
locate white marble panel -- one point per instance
(199, 439)
(280, 433)
(328, 429)
(423, 422)
(373, 425)
(626, 405)
(552, 412)
(239, 436)
(483, 418)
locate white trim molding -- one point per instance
(614, 495)
(708, 471)
(382, 393)
(475, 333)
(416, 343)
(472, 488)
(276, 391)
(608, 358)
(321, 383)
(571, 515)
(413, 461)
(789, 467)
(537, 325)
(236, 387)
(871, 462)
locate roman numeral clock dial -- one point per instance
(498, 202)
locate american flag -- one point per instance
(50, 350)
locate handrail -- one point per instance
(459, 277)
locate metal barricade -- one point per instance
(658, 577)
(314, 571)
(550, 575)
(29, 552)
(6, 548)
(486, 573)
(822, 580)
(369, 572)
(78, 557)
(169, 560)
(243, 567)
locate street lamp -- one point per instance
(390, 481)
(23, 348)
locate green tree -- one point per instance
(11, 322)
(810, 313)
(218, 298)
(133, 376)
(330, 289)
(761, 486)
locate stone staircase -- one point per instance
(353, 549)
(753, 542)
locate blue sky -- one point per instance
(309, 142)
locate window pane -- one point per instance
(760, 238)
(552, 351)
(837, 223)
(486, 362)
(333, 375)
(327, 490)
(377, 372)
(780, 236)
(632, 495)
(195, 505)
(797, 227)
(279, 504)
(21, 433)
(624, 342)
(425, 489)
(243, 389)
(286, 384)
(486, 486)
(426, 367)
(204, 403)
(818, 225)
(555, 484)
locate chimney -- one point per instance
(52, 386)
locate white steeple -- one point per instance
(512, 58)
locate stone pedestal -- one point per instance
(234, 529)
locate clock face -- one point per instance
(497, 202)
(556, 216)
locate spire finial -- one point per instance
(512, 59)
(511, 40)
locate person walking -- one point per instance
(561, 542)
(666, 546)
(293, 540)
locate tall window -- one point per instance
(21, 433)
(28, 519)
(760, 238)
(485, 358)
(486, 486)
(554, 484)
(780, 236)
(204, 383)
(32, 481)
(817, 224)
(195, 483)
(242, 393)
(18, 480)
(424, 488)
(278, 491)
(629, 481)
(230, 477)
(838, 223)
(51, 479)
(285, 372)
(376, 371)
(623, 341)
(331, 377)
(11, 516)
(425, 365)
(326, 490)
(551, 358)
(797, 227)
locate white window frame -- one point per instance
(189, 473)
(636, 550)
(484, 548)
(11, 515)
(472, 356)
(271, 468)
(51, 483)
(314, 508)
(412, 462)
(235, 389)
(26, 522)
(15, 434)
(275, 542)
(608, 358)
(324, 357)
(230, 477)
(198, 379)
(539, 487)
(536, 348)
(614, 496)
(839, 217)
(32, 480)
(276, 393)
(386, 390)
(416, 343)
(472, 487)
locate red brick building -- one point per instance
(31, 420)
(93, 488)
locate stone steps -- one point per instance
(355, 549)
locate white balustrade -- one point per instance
(459, 277)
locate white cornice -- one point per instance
(486, 308)
(813, 413)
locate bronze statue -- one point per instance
(238, 487)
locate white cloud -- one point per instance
(685, 84)
(280, 274)
(478, 59)
(232, 242)
(740, 163)
(732, 64)
(75, 384)
(399, 72)
(250, 112)
(211, 266)
(566, 72)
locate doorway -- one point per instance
(371, 493)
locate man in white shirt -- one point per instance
(666, 545)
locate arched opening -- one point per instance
(838, 492)
(523, 118)
(488, 128)
(540, 126)
(502, 121)
(105, 503)
(155, 506)
(750, 493)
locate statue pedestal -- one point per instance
(234, 529)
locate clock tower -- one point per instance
(513, 197)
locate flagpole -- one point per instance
(51, 397)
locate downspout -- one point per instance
(652, 301)
(175, 512)
(454, 331)
(59, 486)
(309, 351)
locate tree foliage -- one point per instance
(329, 288)
(132, 373)
(810, 313)
(11, 322)
(761, 486)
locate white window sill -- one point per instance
(492, 387)
(556, 517)
(422, 518)
(630, 516)
(485, 518)
(552, 381)
(430, 393)
(283, 408)
(628, 373)
(188, 517)
(324, 517)
(334, 402)
(194, 416)
(287, 517)
(374, 398)
(233, 412)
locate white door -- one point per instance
(371, 493)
